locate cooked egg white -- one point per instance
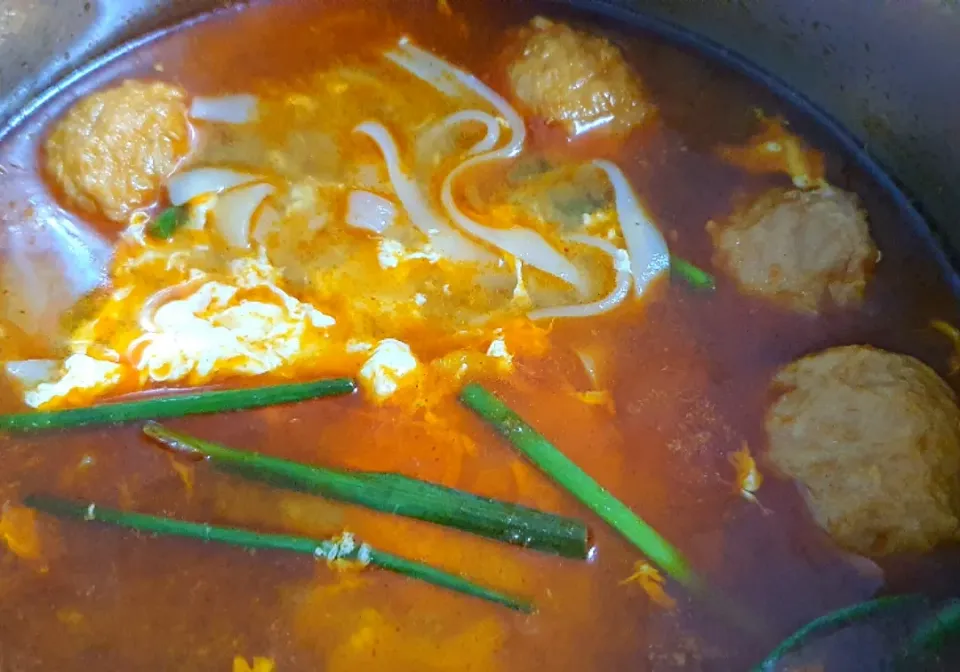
(245, 325)
(190, 311)
(216, 329)
(388, 367)
(192, 331)
(391, 254)
(498, 350)
(79, 373)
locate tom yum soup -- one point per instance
(415, 336)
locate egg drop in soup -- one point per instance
(523, 339)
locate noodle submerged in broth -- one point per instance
(375, 255)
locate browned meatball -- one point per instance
(113, 149)
(577, 80)
(803, 249)
(874, 437)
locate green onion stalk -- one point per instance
(343, 548)
(693, 276)
(615, 513)
(177, 405)
(395, 494)
(576, 481)
(834, 622)
(167, 222)
(933, 634)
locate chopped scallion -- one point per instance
(167, 222)
(694, 276)
(398, 495)
(932, 635)
(833, 622)
(195, 403)
(561, 469)
(343, 548)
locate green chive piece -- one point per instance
(398, 495)
(561, 469)
(213, 401)
(438, 577)
(336, 549)
(167, 222)
(695, 277)
(932, 635)
(833, 622)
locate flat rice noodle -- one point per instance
(424, 68)
(186, 186)
(369, 211)
(233, 214)
(621, 289)
(455, 82)
(268, 221)
(434, 143)
(649, 256)
(236, 109)
(444, 238)
(197, 212)
(524, 244)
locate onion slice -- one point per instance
(267, 223)
(649, 256)
(443, 237)
(186, 186)
(31, 372)
(237, 109)
(369, 211)
(621, 264)
(233, 214)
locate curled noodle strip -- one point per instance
(444, 238)
(649, 256)
(524, 244)
(621, 264)
(488, 121)
(451, 80)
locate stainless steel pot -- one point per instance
(888, 70)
